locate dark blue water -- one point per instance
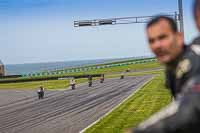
(38, 67)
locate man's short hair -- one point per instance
(157, 19)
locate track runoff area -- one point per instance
(69, 111)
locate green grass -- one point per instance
(124, 68)
(60, 84)
(116, 62)
(49, 84)
(155, 72)
(145, 102)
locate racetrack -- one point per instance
(67, 111)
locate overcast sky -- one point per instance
(42, 30)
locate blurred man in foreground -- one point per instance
(183, 78)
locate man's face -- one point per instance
(164, 43)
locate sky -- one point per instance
(34, 31)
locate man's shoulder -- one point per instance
(194, 47)
(189, 64)
(192, 52)
(196, 41)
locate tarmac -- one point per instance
(66, 111)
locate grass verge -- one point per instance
(141, 105)
(49, 84)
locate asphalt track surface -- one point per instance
(67, 111)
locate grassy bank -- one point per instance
(60, 84)
(91, 67)
(145, 102)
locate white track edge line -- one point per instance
(82, 131)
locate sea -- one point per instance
(20, 69)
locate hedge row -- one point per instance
(47, 78)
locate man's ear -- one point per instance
(197, 19)
(180, 38)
